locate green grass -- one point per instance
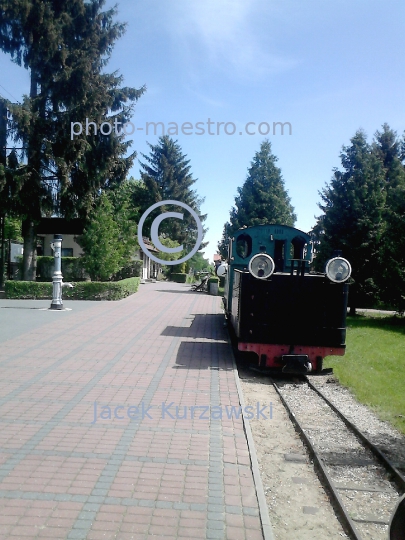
(374, 365)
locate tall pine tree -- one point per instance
(353, 217)
(223, 244)
(391, 278)
(104, 252)
(65, 44)
(167, 175)
(262, 199)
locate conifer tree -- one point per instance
(353, 217)
(262, 199)
(391, 278)
(167, 175)
(224, 242)
(103, 250)
(65, 44)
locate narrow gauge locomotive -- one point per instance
(289, 316)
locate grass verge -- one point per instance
(373, 367)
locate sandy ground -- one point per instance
(298, 505)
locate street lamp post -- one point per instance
(57, 277)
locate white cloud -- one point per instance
(226, 35)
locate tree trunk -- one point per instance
(30, 250)
(2, 250)
(28, 224)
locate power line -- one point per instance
(10, 94)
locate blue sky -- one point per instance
(328, 68)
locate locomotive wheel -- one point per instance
(319, 364)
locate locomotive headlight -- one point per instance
(261, 266)
(338, 269)
(222, 270)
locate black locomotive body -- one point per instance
(289, 316)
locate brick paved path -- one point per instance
(62, 475)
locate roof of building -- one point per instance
(149, 245)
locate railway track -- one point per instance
(363, 483)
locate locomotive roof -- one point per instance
(281, 231)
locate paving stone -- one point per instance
(218, 525)
(250, 511)
(214, 535)
(77, 534)
(83, 524)
(233, 509)
(215, 500)
(123, 354)
(216, 516)
(164, 504)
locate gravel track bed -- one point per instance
(387, 439)
(348, 462)
(298, 504)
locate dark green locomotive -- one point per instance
(289, 316)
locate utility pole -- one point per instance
(3, 145)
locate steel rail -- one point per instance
(397, 477)
(345, 517)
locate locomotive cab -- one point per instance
(289, 316)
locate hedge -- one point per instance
(178, 278)
(73, 269)
(85, 290)
(28, 290)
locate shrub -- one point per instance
(132, 270)
(179, 268)
(30, 290)
(99, 290)
(85, 290)
(178, 278)
(72, 268)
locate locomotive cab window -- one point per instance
(244, 246)
(279, 255)
(297, 247)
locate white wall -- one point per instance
(67, 242)
(16, 250)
